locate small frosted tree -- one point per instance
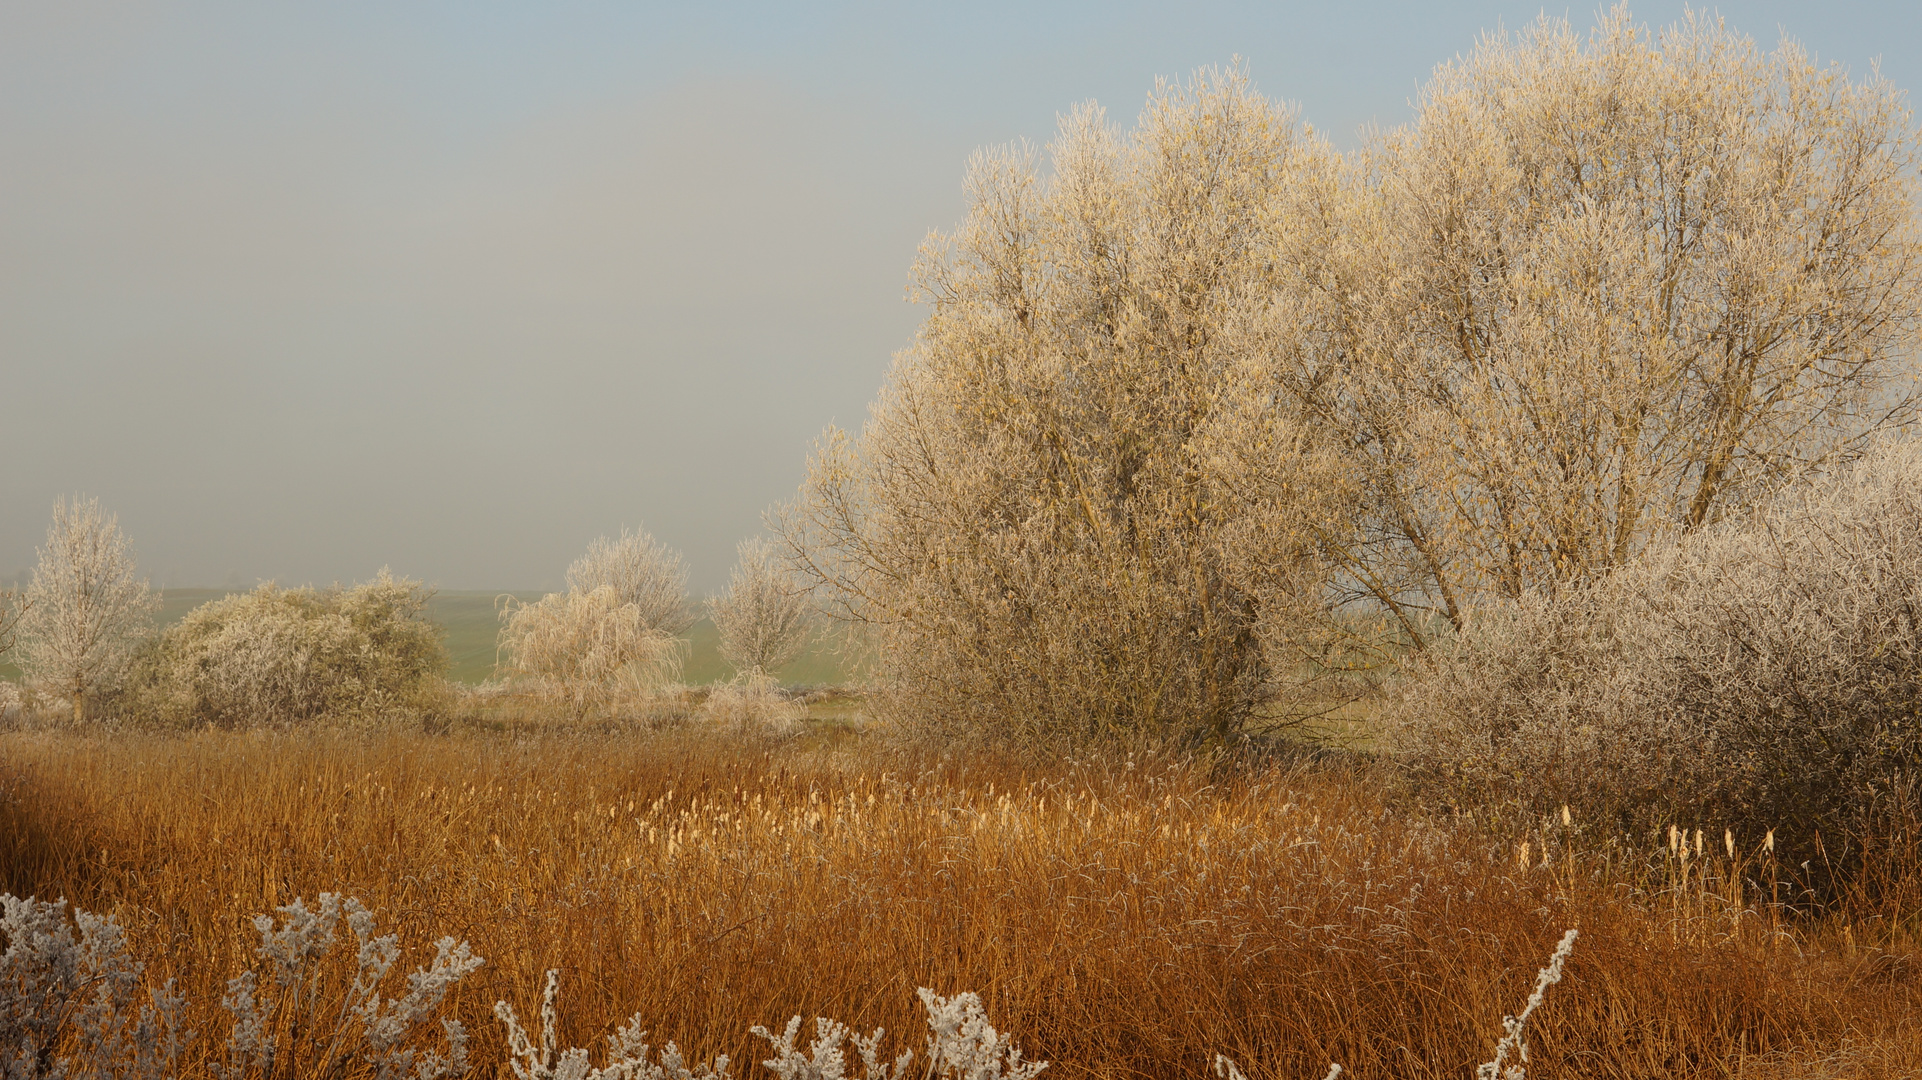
(642, 572)
(617, 627)
(586, 646)
(86, 612)
(764, 616)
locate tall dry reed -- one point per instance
(1123, 917)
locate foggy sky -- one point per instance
(302, 291)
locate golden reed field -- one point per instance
(1120, 917)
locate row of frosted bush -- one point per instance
(1764, 673)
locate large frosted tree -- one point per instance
(1608, 287)
(1083, 504)
(1201, 400)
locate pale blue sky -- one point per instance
(302, 290)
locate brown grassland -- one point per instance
(1121, 917)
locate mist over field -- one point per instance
(456, 288)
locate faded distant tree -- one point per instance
(642, 572)
(764, 616)
(1605, 288)
(1083, 504)
(87, 611)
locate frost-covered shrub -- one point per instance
(1763, 672)
(752, 704)
(587, 647)
(286, 656)
(616, 631)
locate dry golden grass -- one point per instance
(1119, 918)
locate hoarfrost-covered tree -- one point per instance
(1084, 503)
(1603, 289)
(764, 616)
(86, 611)
(587, 646)
(642, 572)
(617, 627)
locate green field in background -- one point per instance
(471, 619)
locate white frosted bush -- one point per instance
(284, 656)
(752, 704)
(615, 632)
(587, 647)
(1764, 671)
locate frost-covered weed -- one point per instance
(825, 1060)
(1511, 1042)
(964, 1046)
(322, 1027)
(84, 989)
(628, 1051)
